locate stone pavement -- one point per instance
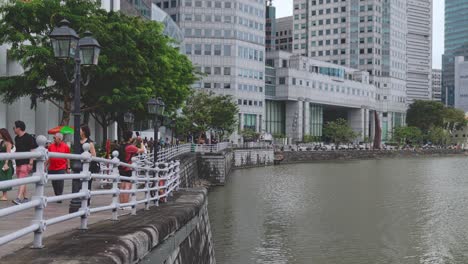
(16, 221)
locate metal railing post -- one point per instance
(134, 184)
(115, 186)
(147, 186)
(177, 175)
(84, 185)
(39, 193)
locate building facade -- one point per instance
(306, 93)
(270, 26)
(461, 84)
(455, 44)
(367, 35)
(419, 50)
(436, 84)
(226, 41)
(284, 35)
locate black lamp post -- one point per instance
(128, 119)
(156, 108)
(85, 51)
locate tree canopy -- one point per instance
(137, 61)
(426, 115)
(339, 131)
(408, 135)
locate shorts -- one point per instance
(125, 173)
(23, 171)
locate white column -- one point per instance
(257, 123)
(306, 119)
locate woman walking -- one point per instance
(6, 166)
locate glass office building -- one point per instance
(456, 44)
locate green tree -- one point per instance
(425, 115)
(454, 118)
(249, 135)
(409, 134)
(207, 111)
(137, 61)
(339, 131)
(438, 136)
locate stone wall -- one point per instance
(308, 156)
(174, 232)
(215, 167)
(188, 170)
(244, 158)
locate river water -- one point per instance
(369, 211)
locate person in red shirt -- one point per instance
(130, 151)
(58, 165)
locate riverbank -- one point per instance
(291, 157)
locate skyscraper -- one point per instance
(436, 84)
(226, 41)
(456, 44)
(369, 35)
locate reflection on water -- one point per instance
(372, 211)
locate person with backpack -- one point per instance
(126, 152)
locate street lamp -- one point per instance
(85, 51)
(156, 108)
(128, 119)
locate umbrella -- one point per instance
(61, 129)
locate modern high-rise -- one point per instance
(226, 41)
(284, 36)
(369, 35)
(456, 44)
(419, 50)
(270, 26)
(436, 81)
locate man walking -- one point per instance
(24, 142)
(58, 165)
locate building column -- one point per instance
(294, 120)
(306, 119)
(257, 123)
(357, 122)
(241, 121)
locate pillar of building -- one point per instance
(306, 119)
(257, 123)
(294, 120)
(356, 119)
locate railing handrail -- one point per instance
(165, 176)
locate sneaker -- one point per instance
(126, 208)
(59, 201)
(25, 200)
(17, 201)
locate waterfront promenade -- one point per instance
(14, 222)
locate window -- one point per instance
(207, 49)
(227, 70)
(217, 50)
(227, 86)
(207, 85)
(208, 70)
(227, 50)
(197, 49)
(217, 70)
(282, 80)
(188, 49)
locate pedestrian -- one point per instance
(85, 134)
(58, 165)
(24, 142)
(6, 172)
(126, 152)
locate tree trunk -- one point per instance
(66, 112)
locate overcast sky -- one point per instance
(284, 8)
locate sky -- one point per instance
(285, 7)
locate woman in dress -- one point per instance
(6, 171)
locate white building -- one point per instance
(436, 84)
(461, 83)
(367, 35)
(419, 50)
(284, 35)
(226, 41)
(307, 93)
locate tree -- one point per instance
(425, 115)
(207, 111)
(438, 136)
(249, 135)
(409, 134)
(339, 131)
(454, 118)
(137, 61)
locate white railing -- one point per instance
(159, 182)
(169, 153)
(203, 148)
(254, 145)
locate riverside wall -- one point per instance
(175, 232)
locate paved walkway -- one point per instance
(16, 221)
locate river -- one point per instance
(350, 212)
